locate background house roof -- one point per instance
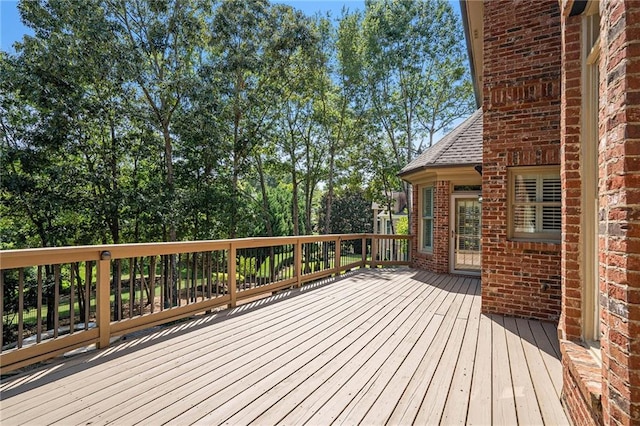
(462, 146)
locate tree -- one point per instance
(352, 214)
(340, 111)
(162, 41)
(414, 67)
(251, 54)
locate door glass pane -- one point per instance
(467, 234)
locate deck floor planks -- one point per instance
(391, 380)
(214, 398)
(480, 405)
(353, 400)
(352, 376)
(524, 395)
(503, 410)
(548, 353)
(551, 331)
(552, 413)
(331, 353)
(152, 355)
(267, 357)
(307, 380)
(418, 367)
(457, 402)
(158, 374)
(190, 351)
(330, 377)
(428, 392)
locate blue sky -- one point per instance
(12, 30)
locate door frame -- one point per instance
(452, 232)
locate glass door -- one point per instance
(466, 251)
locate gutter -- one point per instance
(467, 37)
(401, 175)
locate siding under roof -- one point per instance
(462, 146)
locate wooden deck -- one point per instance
(374, 347)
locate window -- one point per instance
(535, 203)
(427, 218)
(589, 173)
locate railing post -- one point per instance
(231, 275)
(374, 250)
(337, 265)
(364, 251)
(297, 258)
(103, 299)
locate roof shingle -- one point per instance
(461, 146)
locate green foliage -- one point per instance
(132, 121)
(402, 227)
(351, 214)
(247, 266)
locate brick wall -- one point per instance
(438, 260)
(581, 384)
(619, 193)
(521, 97)
(582, 374)
(570, 172)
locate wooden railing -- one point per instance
(58, 299)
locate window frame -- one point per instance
(589, 171)
(540, 172)
(426, 218)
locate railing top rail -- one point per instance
(19, 258)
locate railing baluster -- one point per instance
(1, 309)
(337, 262)
(208, 275)
(203, 258)
(72, 307)
(88, 277)
(297, 263)
(374, 251)
(56, 300)
(152, 282)
(118, 299)
(20, 306)
(142, 286)
(178, 271)
(39, 307)
(103, 297)
(163, 282)
(231, 275)
(186, 279)
(219, 256)
(137, 287)
(132, 278)
(194, 277)
(197, 265)
(171, 287)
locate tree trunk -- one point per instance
(80, 291)
(265, 202)
(330, 183)
(114, 213)
(294, 201)
(50, 295)
(168, 160)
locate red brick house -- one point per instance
(559, 86)
(446, 201)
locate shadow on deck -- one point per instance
(376, 346)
